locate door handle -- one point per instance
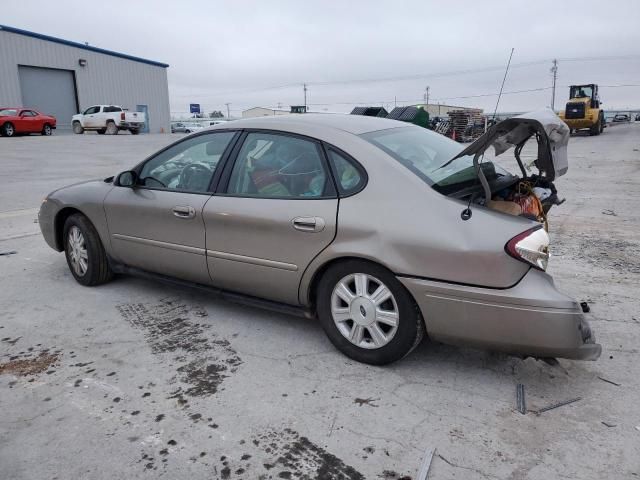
(184, 212)
(309, 224)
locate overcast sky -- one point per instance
(236, 51)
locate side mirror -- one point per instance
(127, 179)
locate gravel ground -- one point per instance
(136, 379)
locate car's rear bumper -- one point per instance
(138, 125)
(530, 318)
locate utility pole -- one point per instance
(554, 70)
(227, 104)
(304, 85)
(427, 97)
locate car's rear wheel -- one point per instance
(112, 128)
(367, 313)
(47, 130)
(77, 128)
(85, 254)
(8, 130)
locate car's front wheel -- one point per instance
(77, 128)
(85, 254)
(367, 313)
(47, 130)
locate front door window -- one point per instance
(187, 166)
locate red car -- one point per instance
(14, 121)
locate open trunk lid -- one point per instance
(551, 132)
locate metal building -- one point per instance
(62, 78)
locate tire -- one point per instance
(112, 128)
(134, 131)
(77, 128)
(101, 131)
(80, 235)
(396, 341)
(47, 130)
(8, 130)
(601, 124)
(596, 129)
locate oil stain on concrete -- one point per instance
(171, 327)
(295, 456)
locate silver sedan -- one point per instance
(383, 231)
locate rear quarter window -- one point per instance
(349, 175)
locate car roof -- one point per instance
(355, 124)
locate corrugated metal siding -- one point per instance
(105, 79)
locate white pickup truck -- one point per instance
(109, 119)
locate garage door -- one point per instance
(50, 91)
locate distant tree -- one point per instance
(216, 114)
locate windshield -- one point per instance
(423, 152)
(581, 91)
(8, 112)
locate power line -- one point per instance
(414, 76)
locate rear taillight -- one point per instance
(122, 116)
(531, 246)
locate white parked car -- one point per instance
(109, 119)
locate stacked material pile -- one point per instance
(466, 125)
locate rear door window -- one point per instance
(271, 165)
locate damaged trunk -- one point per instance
(469, 177)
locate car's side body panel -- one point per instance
(145, 233)
(254, 248)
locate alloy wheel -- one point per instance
(78, 251)
(364, 310)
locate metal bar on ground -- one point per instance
(426, 464)
(556, 405)
(520, 399)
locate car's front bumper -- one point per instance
(530, 318)
(46, 221)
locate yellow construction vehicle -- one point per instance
(583, 109)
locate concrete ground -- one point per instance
(141, 380)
